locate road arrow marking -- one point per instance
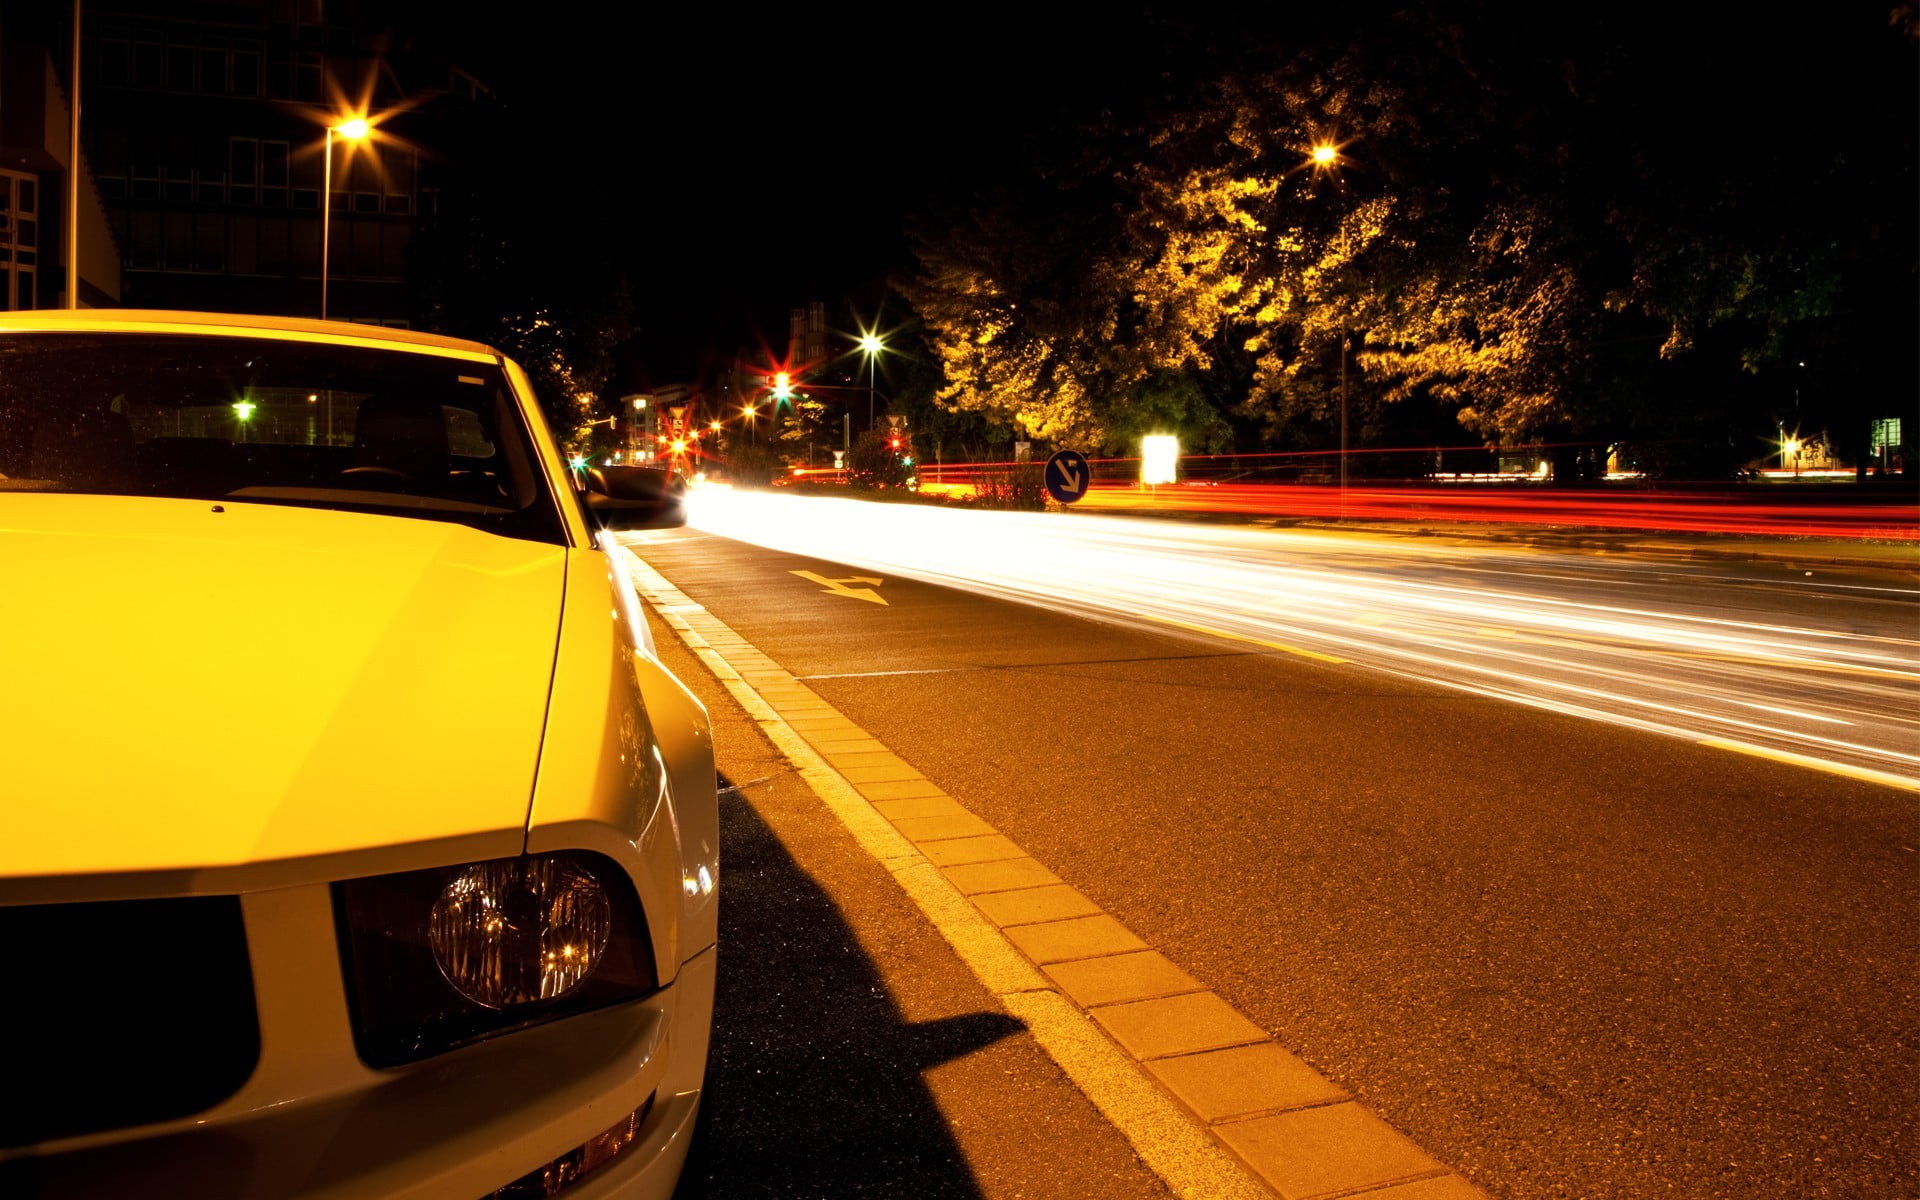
(838, 587)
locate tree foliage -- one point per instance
(1574, 226)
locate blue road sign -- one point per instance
(1068, 475)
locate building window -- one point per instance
(243, 170)
(307, 72)
(147, 61)
(180, 68)
(213, 65)
(246, 68)
(19, 238)
(279, 74)
(273, 174)
(176, 248)
(143, 240)
(114, 60)
(210, 242)
(243, 245)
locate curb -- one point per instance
(1210, 1101)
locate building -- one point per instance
(206, 126)
(35, 145)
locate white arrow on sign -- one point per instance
(838, 587)
(1069, 474)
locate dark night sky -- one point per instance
(759, 159)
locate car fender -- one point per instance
(626, 763)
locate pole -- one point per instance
(872, 365)
(73, 170)
(326, 219)
(1343, 423)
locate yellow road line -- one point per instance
(1868, 774)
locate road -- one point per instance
(1564, 954)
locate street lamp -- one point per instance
(353, 130)
(1326, 157)
(871, 346)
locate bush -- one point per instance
(1022, 487)
(753, 465)
(873, 463)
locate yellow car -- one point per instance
(353, 840)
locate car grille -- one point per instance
(122, 1013)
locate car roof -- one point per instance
(138, 320)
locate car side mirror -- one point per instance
(636, 497)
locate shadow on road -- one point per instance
(814, 1087)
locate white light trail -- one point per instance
(1761, 669)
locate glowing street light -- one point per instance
(354, 130)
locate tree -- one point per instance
(1511, 231)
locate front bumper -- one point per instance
(314, 1122)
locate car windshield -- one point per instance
(268, 421)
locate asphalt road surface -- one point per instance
(1565, 955)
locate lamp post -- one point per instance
(353, 130)
(871, 346)
(1325, 158)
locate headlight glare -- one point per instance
(518, 931)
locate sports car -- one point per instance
(354, 842)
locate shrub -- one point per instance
(1021, 487)
(873, 463)
(753, 464)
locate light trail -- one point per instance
(1766, 513)
(1790, 670)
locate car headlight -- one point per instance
(519, 930)
(440, 958)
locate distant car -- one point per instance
(353, 840)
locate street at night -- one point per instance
(1562, 953)
(1141, 602)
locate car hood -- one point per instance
(190, 685)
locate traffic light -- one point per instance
(782, 386)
